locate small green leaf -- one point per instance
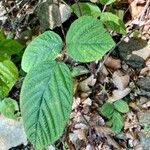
(113, 22)
(107, 110)
(44, 47)
(117, 122)
(107, 2)
(79, 70)
(8, 76)
(87, 40)
(46, 100)
(121, 106)
(9, 107)
(88, 9)
(10, 47)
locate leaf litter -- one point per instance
(121, 77)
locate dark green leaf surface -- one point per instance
(46, 100)
(107, 110)
(87, 40)
(44, 47)
(113, 22)
(87, 9)
(10, 47)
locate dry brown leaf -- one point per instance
(113, 63)
(119, 94)
(120, 81)
(84, 85)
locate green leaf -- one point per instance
(87, 40)
(86, 9)
(44, 47)
(107, 2)
(10, 47)
(79, 70)
(121, 106)
(9, 107)
(107, 110)
(46, 100)
(113, 22)
(117, 121)
(8, 76)
(2, 36)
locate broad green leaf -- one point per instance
(88, 9)
(117, 122)
(2, 36)
(44, 47)
(107, 110)
(113, 22)
(9, 107)
(121, 106)
(10, 47)
(107, 2)
(87, 40)
(79, 70)
(8, 76)
(46, 99)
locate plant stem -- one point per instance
(80, 11)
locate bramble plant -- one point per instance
(8, 75)
(47, 91)
(113, 111)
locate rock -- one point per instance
(125, 50)
(145, 141)
(11, 133)
(135, 61)
(144, 118)
(144, 52)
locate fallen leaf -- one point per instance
(119, 94)
(120, 81)
(113, 63)
(50, 16)
(84, 85)
(11, 133)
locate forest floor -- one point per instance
(123, 74)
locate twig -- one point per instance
(61, 25)
(80, 11)
(101, 65)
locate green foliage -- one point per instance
(8, 70)
(107, 110)
(47, 91)
(44, 47)
(107, 2)
(117, 122)
(9, 108)
(121, 106)
(8, 76)
(46, 100)
(10, 47)
(113, 112)
(79, 70)
(113, 22)
(87, 40)
(87, 9)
